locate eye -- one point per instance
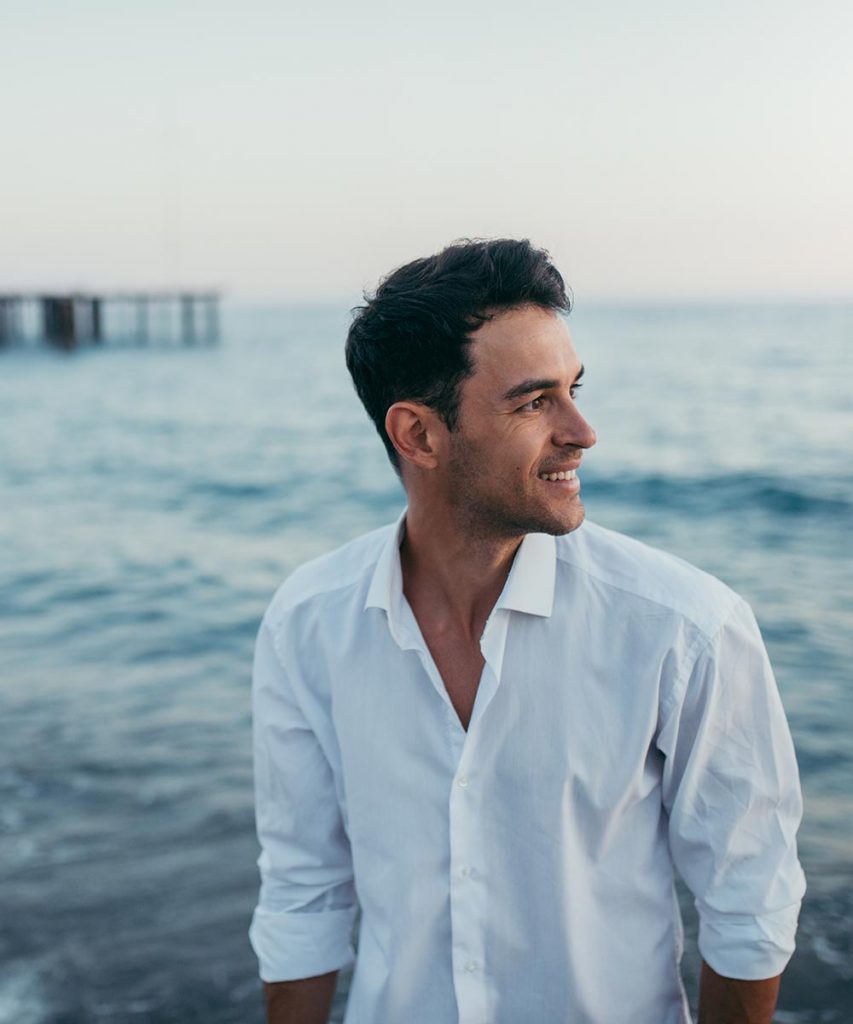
(534, 405)
(573, 391)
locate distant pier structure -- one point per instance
(68, 320)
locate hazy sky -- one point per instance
(658, 149)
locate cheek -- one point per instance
(525, 438)
(507, 447)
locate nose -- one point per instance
(573, 431)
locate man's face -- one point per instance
(518, 424)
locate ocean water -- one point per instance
(153, 498)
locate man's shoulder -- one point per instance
(344, 568)
(637, 570)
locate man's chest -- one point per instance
(459, 665)
(562, 730)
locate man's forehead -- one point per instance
(512, 347)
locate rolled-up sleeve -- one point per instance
(302, 925)
(731, 788)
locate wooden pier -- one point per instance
(68, 320)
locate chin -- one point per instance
(566, 524)
(544, 521)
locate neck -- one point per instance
(451, 576)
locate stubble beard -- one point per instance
(485, 516)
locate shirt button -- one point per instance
(463, 781)
(471, 966)
(466, 872)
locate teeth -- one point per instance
(567, 475)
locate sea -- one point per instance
(152, 498)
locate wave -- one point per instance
(708, 495)
(230, 489)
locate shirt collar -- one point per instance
(529, 587)
(387, 581)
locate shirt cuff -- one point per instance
(748, 948)
(290, 946)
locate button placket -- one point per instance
(467, 891)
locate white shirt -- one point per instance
(626, 722)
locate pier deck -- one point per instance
(66, 320)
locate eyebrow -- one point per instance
(535, 384)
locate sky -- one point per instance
(291, 151)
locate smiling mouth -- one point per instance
(569, 474)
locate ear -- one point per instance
(413, 430)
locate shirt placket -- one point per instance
(468, 882)
(469, 888)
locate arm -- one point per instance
(731, 1001)
(731, 790)
(307, 1001)
(301, 928)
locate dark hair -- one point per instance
(410, 340)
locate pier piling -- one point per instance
(142, 319)
(188, 319)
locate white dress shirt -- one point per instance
(626, 724)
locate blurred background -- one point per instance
(688, 167)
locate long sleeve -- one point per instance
(731, 789)
(303, 922)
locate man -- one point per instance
(499, 728)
